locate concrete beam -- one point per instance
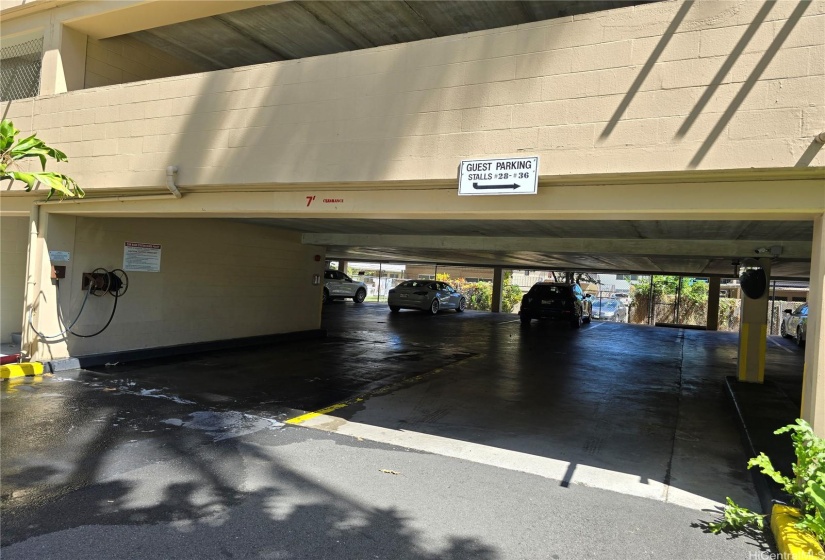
(802, 199)
(593, 246)
(16, 205)
(104, 19)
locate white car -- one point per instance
(339, 285)
(427, 295)
(623, 297)
(795, 324)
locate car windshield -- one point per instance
(550, 291)
(414, 284)
(608, 305)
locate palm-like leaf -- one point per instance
(33, 147)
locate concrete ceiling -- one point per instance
(298, 29)
(685, 247)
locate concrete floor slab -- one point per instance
(623, 407)
(630, 426)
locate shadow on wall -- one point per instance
(717, 80)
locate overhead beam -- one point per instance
(747, 200)
(591, 246)
(119, 18)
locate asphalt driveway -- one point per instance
(455, 436)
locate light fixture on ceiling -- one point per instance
(774, 251)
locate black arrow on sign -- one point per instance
(514, 186)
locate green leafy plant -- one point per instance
(511, 296)
(806, 488)
(13, 151)
(737, 518)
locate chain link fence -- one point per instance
(20, 70)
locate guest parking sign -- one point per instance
(498, 176)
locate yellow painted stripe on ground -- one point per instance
(743, 352)
(793, 544)
(382, 391)
(11, 371)
(309, 415)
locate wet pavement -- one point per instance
(465, 436)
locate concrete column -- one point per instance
(498, 288)
(714, 285)
(342, 266)
(813, 380)
(48, 232)
(753, 334)
(64, 59)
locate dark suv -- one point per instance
(552, 300)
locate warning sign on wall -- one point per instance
(141, 257)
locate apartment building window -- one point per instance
(20, 70)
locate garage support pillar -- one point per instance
(47, 232)
(498, 284)
(813, 380)
(714, 285)
(753, 334)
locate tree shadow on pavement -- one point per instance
(132, 492)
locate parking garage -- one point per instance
(245, 180)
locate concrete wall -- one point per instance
(14, 242)
(661, 87)
(217, 280)
(122, 59)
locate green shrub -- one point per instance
(480, 294)
(510, 298)
(806, 488)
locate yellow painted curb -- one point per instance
(25, 369)
(793, 543)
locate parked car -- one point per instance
(609, 310)
(427, 295)
(339, 285)
(557, 301)
(795, 324)
(623, 297)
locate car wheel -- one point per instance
(783, 330)
(576, 323)
(434, 306)
(394, 309)
(798, 337)
(326, 296)
(462, 305)
(525, 319)
(360, 296)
